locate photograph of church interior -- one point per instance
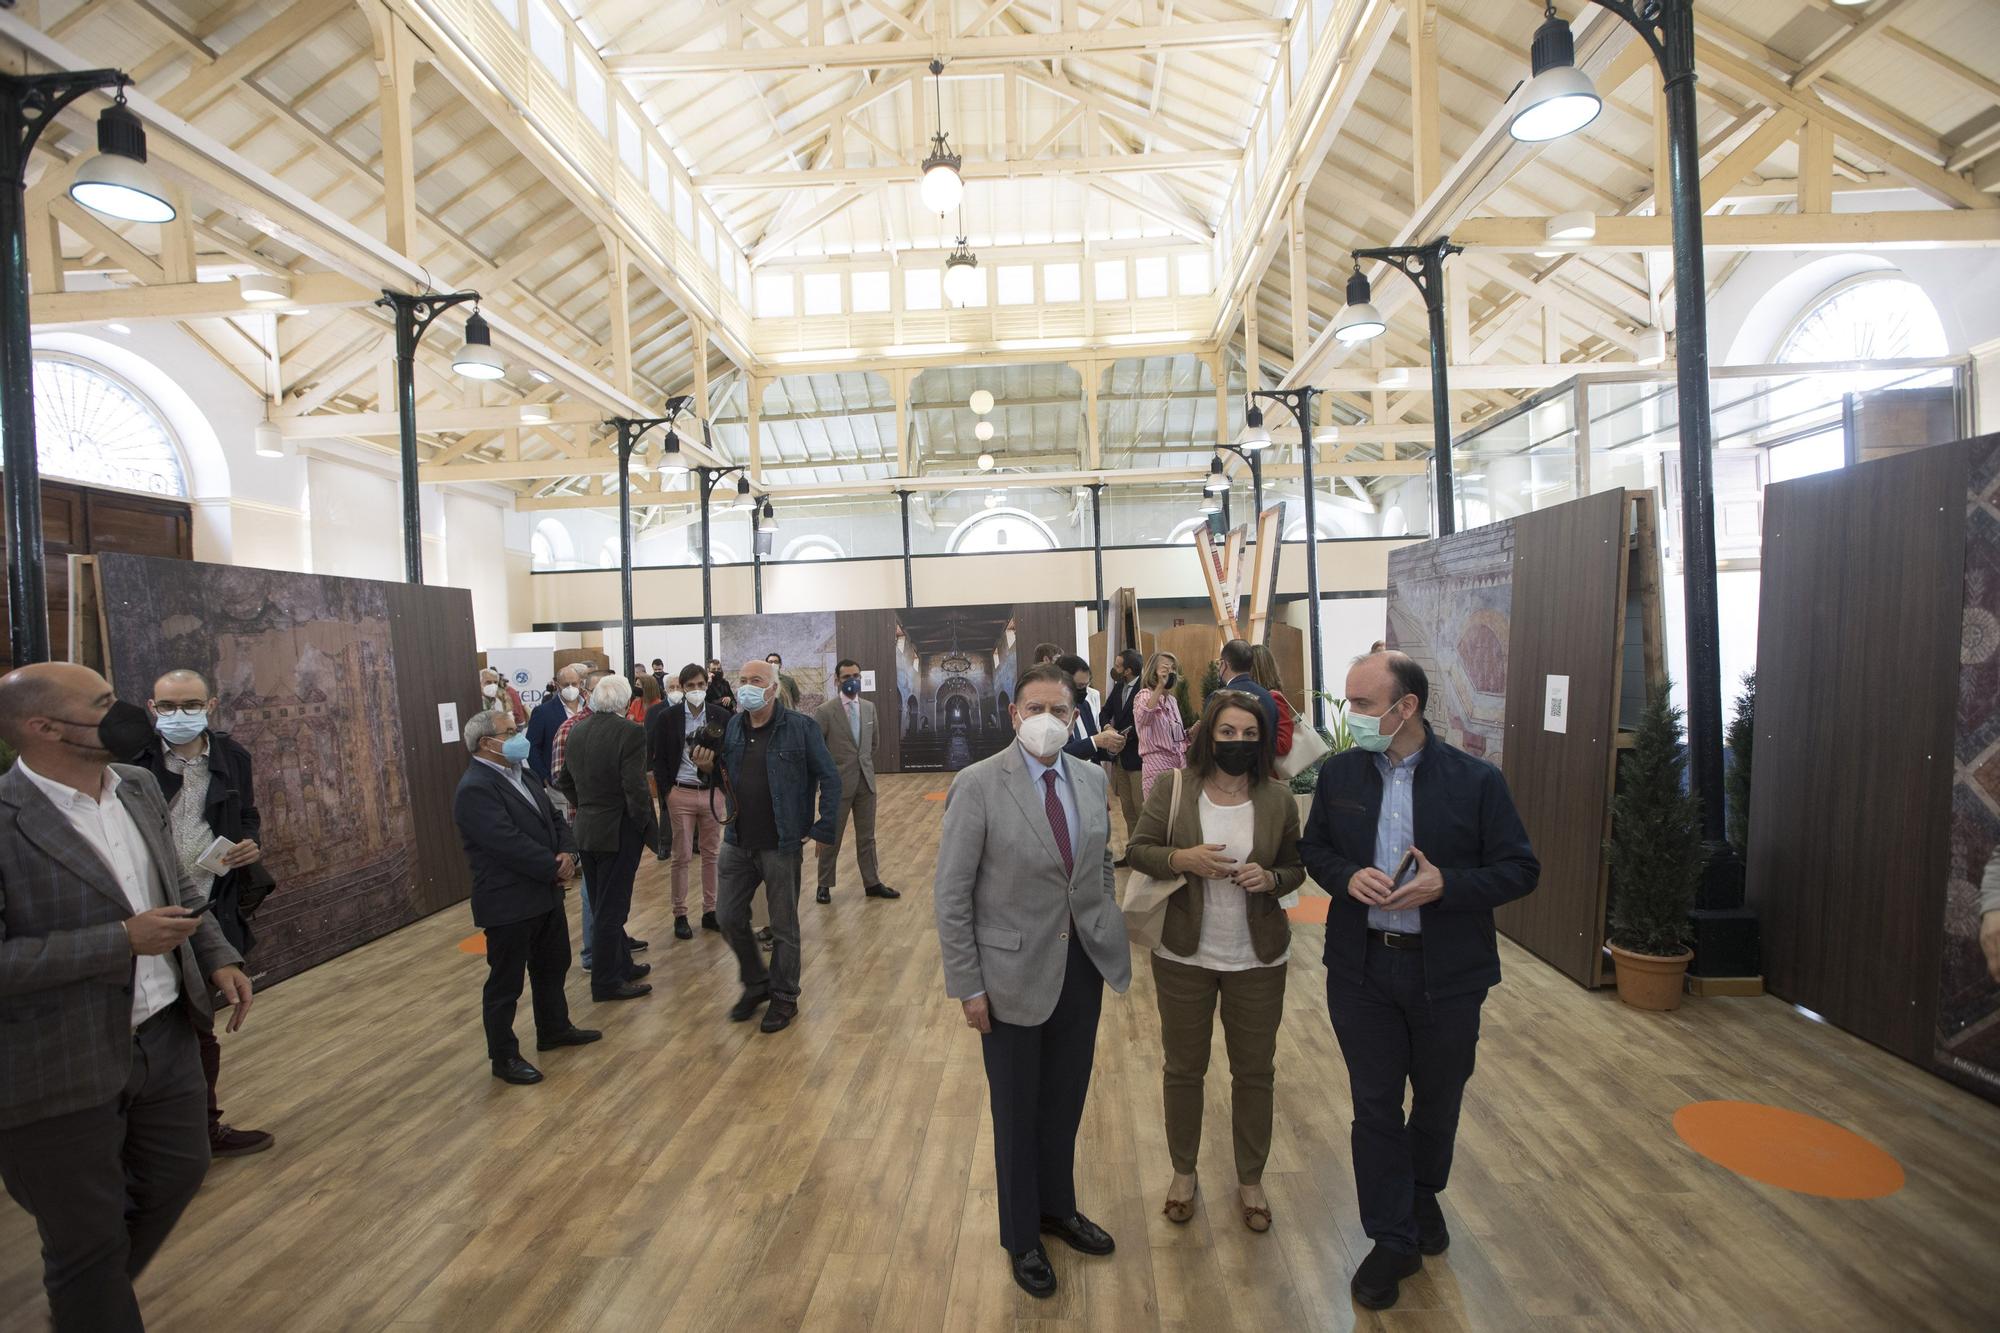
(666, 661)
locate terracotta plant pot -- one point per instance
(1649, 981)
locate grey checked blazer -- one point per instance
(1003, 904)
(856, 762)
(66, 967)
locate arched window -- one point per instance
(607, 557)
(1001, 530)
(1183, 533)
(93, 427)
(1875, 317)
(551, 546)
(812, 547)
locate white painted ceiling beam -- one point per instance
(961, 50)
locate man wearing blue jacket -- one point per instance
(1410, 950)
(773, 761)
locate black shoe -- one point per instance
(624, 990)
(1378, 1282)
(1433, 1237)
(1033, 1274)
(746, 1007)
(634, 946)
(516, 1070)
(1079, 1233)
(574, 1037)
(825, 895)
(638, 970)
(681, 929)
(1120, 862)
(779, 1016)
(881, 891)
(708, 922)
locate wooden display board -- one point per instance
(1868, 842)
(341, 690)
(1562, 599)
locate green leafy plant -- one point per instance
(1741, 732)
(1655, 850)
(1337, 735)
(1188, 714)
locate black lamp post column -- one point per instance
(414, 315)
(27, 104)
(1668, 27)
(1299, 402)
(909, 577)
(1424, 265)
(1097, 550)
(629, 431)
(709, 477)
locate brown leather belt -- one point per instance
(1391, 939)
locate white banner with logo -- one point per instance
(526, 669)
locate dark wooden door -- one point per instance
(82, 520)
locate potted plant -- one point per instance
(1738, 737)
(1656, 857)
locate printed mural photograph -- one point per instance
(1450, 606)
(1969, 969)
(955, 669)
(804, 641)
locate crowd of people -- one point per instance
(130, 855)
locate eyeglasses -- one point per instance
(186, 710)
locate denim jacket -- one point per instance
(798, 762)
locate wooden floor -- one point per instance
(687, 1172)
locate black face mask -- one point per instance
(125, 730)
(1236, 757)
(1079, 692)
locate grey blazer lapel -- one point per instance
(165, 860)
(1021, 786)
(50, 830)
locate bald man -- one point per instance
(104, 970)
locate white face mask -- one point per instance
(569, 694)
(695, 698)
(1043, 735)
(490, 690)
(674, 696)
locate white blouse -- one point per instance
(1225, 911)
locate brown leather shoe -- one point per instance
(224, 1141)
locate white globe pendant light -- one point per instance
(941, 187)
(986, 462)
(981, 402)
(963, 283)
(983, 431)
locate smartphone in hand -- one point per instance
(1404, 868)
(201, 908)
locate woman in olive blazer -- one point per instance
(1234, 845)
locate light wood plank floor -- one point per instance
(690, 1173)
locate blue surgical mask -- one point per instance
(179, 728)
(750, 698)
(1367, 731)
(515, 748)
(851, 686)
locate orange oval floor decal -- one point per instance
(474, 943)
(1793, 1151)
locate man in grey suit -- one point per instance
(603, 775)
(104, 977)
(847, 721)
(1030, 930)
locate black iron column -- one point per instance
(909, 578)
(1424, 265)
(1299, 402)
(1097, 550)
(26, 107)
(706, 477)
(414, 315)
(625, 442)
(756, 566)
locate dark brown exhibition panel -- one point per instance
(334, 686)
(1569, 589)
(1493, 613)
(869, 637)
(82, 520)
(1857, 690)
